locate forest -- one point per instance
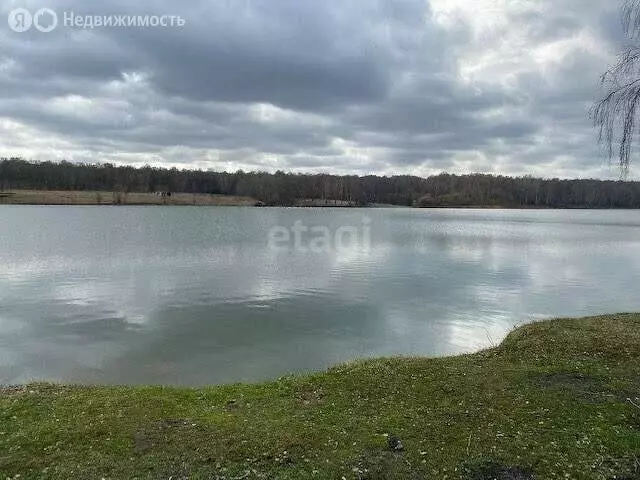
(280, 188)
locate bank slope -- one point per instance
(555, 400)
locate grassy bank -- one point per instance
(45, 197)
(553, 401)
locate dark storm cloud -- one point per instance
(370, 86)
(301, 55)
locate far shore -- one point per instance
(92, 197)
(83, 197)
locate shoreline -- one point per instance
(556, 399)
(100, 198)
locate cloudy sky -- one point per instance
(346, 86)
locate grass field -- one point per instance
(555, 400)
(42, 197)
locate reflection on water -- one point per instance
(196, 296)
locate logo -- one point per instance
(44, 20)
(20, 20)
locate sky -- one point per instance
(342, 86)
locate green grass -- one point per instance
(550, 402)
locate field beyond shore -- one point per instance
(82, 197)
(556, 399)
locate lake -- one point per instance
(197, 295)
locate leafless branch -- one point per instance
(615, 114)
(631, 17)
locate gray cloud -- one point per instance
(370, 86)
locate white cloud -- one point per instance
(377, 86)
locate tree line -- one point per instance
(282, 188)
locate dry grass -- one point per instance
(43, 197)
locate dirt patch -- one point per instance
(631, 472)
(13, 390)
(569, 379)
(310, 396)
(488, 470)
(158, 434)
(376, 465)
(232, 405)
(588, 388)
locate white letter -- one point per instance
(278, 235)
(298, 229)
(322, 243)
(68, 20)
(343, 232)
(366, 233)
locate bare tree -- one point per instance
(616, 113)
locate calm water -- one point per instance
(199, 295)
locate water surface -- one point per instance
(188, 295)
